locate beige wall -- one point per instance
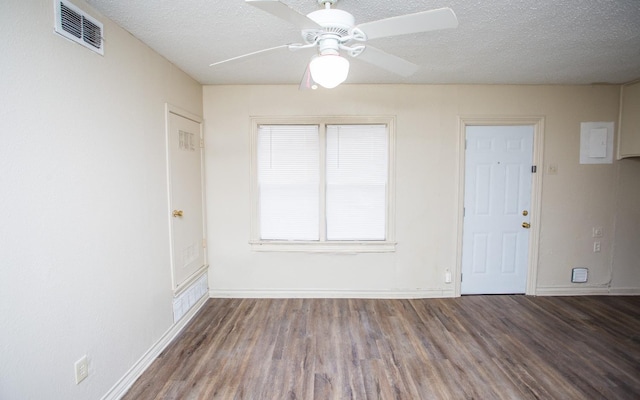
(84, 243)
(576, 199)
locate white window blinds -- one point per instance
(288, 182)
(292, 178)
(356, 182)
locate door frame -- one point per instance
(536, 189)
(171, 109)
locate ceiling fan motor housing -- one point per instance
(337, 22)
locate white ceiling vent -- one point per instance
(74, 24)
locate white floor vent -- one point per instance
(185, 300)
(579, 275)
(76, 25)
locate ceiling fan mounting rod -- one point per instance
(327, 3)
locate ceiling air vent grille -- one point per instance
(78, 26)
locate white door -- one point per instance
(497, 197)
(186, 198)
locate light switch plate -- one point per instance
(82, 369)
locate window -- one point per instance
(322, 184)
(357, 173)
(288, 182)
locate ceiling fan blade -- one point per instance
(441, 18)
(387, 61)
(248, 55)
(283, 11)
(307, 81)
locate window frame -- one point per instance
(324, 245)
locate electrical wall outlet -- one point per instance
(447, 277)
(82, 369)
(596, 246)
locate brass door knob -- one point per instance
(526, 225)
(177, 213)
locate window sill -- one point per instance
(325, 247)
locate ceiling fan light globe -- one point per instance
(329, 70)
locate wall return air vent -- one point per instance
(76, 25)
(579, 275)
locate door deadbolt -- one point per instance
(177, 213)
(525, 213)
(526, 225)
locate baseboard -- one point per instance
(407, 294)
(627, 291)
(121, 387)
(571, 291)
(330, 293)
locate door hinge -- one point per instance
(465, 144)
(461, 275)
(204, 242)
(464, 212)
(534, 169)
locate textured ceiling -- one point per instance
(496, 42)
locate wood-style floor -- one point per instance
(476, 347)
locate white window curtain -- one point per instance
(288, 161)
(356, 182)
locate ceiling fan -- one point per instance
(334, 31)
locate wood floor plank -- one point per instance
(474, 347)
